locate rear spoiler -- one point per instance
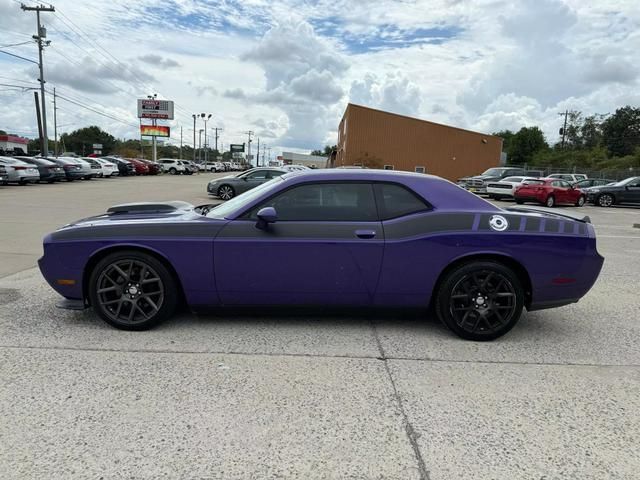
(149, 207)
(579, 218)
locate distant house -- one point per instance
(13, 143)
(377, 139)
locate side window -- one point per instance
(419, 169)
(388, 167)
(275, 173)
(261, 175)
(397, 201)
(324, 202)
(555, 183)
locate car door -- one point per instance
(325, 248)
(631, 192)
(560, 188)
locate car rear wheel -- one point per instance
(480, 300)
(605, 200)
(580, 201)
(550, 201)
(519, 202)
(132, 290)
(226, 192)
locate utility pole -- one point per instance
(269, 157)
(206, 146)
(39, 119)
(249, 133)
(258, 154)
(42, 33)
(264, 152)
(180, 142)
(55, 124)
(216, 135)
(564, 129)
(199, 145)
(194, 137)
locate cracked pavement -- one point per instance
(308, 394)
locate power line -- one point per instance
(14, 44)
(107, 115)
(18, 56)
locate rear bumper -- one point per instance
(528, 198)
(506, 192)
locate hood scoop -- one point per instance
(149, 207)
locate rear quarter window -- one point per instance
(397, 201)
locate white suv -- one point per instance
(172, 166)
(569, 177)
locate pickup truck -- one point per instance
(478, 183)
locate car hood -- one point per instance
(226, 177)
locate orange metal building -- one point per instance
(377, 139)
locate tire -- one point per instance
(173, 171)
(459, 297)
(605, 200)
(119, 276)
(581, 200)
(226, 192)
(519, 202)
(550, 202)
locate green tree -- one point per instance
(328, 149)
(80, 141)
(591, 131)
(2, 132)
(621, 131)
(524, 144)
(506, 136)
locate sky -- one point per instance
(286, 69)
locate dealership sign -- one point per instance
(150, 108)
(236, 148)
(154, 131)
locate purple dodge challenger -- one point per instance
(329, 237)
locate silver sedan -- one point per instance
(232, 185)
(19, 171)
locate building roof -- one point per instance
(14, 139)
(354, 105)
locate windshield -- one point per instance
(493, 172)
(224, 209)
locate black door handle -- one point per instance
(365, 233)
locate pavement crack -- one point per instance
(412, 435)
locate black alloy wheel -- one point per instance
(132, 290)
(605, 200)
(226, 192)
(480, 300)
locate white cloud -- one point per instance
(287, 68)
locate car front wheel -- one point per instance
(580, 201)
(173, 171)
(605, 200)
(226, 192)
(480, 300)
(132, 290)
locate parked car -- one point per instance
(88, 172)
(478, 183)
(49, 171)
(4, 179)
(154, 167)
(569, 177)
(96, 167)
(592, 182)
(72, 170)
(189, 167)
(19, 172)
(294, 168)
(549, 192)
(125, 168)
(172, 166)
(228, 187)
(109, 169)
(214, 167)
(505, 187)
(227, 166)
(141, 168)
(370, 237)
(625, 191)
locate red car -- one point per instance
(154, 168)
(549, 192)
(141, 167)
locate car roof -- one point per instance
(361, 174)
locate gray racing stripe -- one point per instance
(184, 230)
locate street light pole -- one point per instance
(205, 137)
(200, 145)
(194, 137)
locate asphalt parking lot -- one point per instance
(394, 396)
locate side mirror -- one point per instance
(266, 216)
